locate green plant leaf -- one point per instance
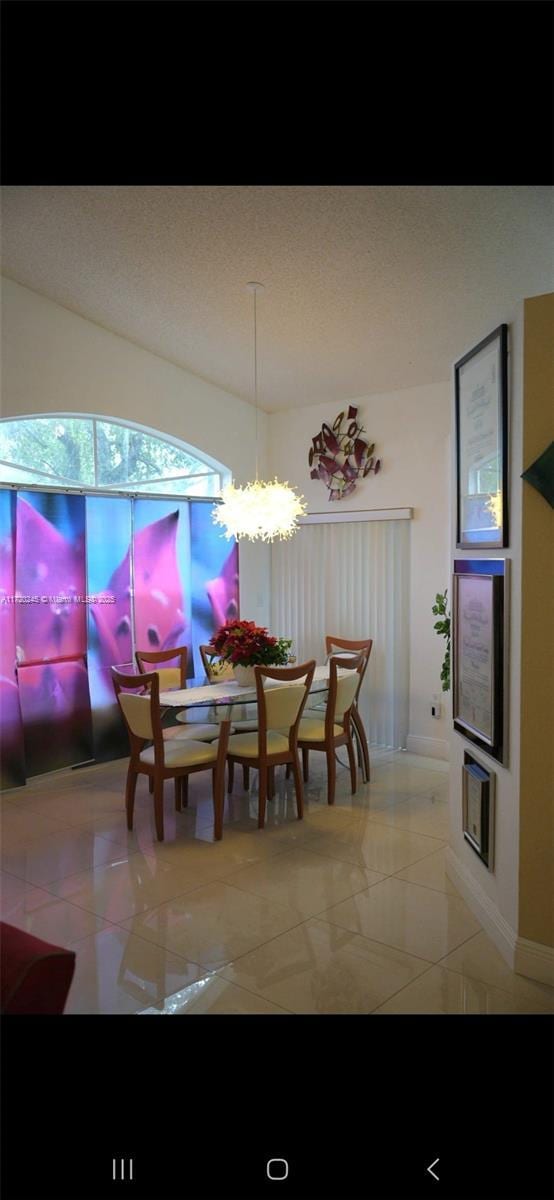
(442, 628)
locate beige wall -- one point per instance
(536, 892)
(56, 361)
(412, 432)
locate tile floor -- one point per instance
(347, 911)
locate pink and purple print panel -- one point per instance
(75, 587)
(55, 704)
(50, 577)
(109, 617)
(162, 577)
(109, 736)
(109, 580)
(215, 578)
(12, 773)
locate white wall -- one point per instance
(411, 430)
(494, 894)
(56, 361)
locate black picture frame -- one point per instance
(478, 804)
(481, 402)
(479, 661)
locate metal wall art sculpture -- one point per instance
(339, 457)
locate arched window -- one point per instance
(66, 450)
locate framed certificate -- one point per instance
(478, 808)
(481, 394)
(479, 616)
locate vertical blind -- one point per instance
(351, 579)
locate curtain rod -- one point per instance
(75, 491)
(357, 514)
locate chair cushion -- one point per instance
(246, 745)
(168, 677)
(198, 732)
(183, 752)
(346, 693)
(313, 730)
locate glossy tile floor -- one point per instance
(347, 911)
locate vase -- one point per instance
(245, 676)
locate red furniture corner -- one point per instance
(35, 976)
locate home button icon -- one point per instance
(277, 1168)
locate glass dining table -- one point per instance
(229, 693)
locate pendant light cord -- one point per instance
(255, 288)
(256, 379)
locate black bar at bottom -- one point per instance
(357, 1107)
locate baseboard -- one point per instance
(481, 905)
(430, 747)
(531, 959)
(535, 960)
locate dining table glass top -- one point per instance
(200, 694)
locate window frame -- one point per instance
(65, 483)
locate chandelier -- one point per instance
(263, 509)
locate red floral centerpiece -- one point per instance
(246, 645)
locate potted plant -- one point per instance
(246, 645)
(443, 629)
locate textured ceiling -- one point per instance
(368, 289)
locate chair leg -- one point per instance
(130, 789)
(151, 784)
(271, 783)
(298, 787)
(331, 775)
(231, 772)
(159, 807)
(245, 777)
(362, 741)
(288, 770)
(352, 761)
(262, 793)
(306, 765)
(358, 747)
(184, 791)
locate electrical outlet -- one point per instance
(435, 707)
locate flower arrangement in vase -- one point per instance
(246, 645)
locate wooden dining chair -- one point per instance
(334, 729)
(218, 671)
(176, 677)
(317, 711)
(279, 713)
(216, 668)
(175, 759)
(362, 646)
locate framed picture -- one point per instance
(478, 794)
(481, 394)
(479, 635)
